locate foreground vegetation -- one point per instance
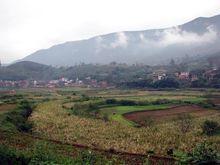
(71, 126)
(53, 122)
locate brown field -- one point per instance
(170, 113)
(216, 101)
(7, 107)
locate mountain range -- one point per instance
(199, 37)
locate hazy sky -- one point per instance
(29, 25)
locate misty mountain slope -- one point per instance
(197, 37)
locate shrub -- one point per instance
(166, 83)
(88, 109)
(147, 122)
(18, 121)
(26, 109)
(210, 127)
(92, 106)
(84, 97)
(141, 103)
(88, 157)
(184, 122)
(44, 154)
(127, 102)
(203, 153)
(105, 117)
(111, 101)
(160, 101)
(19, 117)
(11, 156)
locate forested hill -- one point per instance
(26, 70)
(33, 71)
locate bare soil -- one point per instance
(170, 113)
(216, 101)
(7, 107)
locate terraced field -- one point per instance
(54, 122)
(111, 125)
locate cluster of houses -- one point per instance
(187, 76)
(62, 82)
(157, 75)
(162, 74)
(14, 84)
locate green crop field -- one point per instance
(115, 113)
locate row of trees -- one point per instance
(149, 83)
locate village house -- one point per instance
(193, 77)
(209, 74)
(183, 75)
(159, 75)
(103, 84)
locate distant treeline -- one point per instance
(119, 75)
(111, 73)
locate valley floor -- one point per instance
(115, 122)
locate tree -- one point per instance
(210, 127)
(200, 83)
(172, 63)
(167, 83)
(203, 153)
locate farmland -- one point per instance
(126, 121)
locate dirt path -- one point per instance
(168, 113)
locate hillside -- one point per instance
(156, 46)
(26, 70)
(28, 66)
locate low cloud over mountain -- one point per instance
(198, 37)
